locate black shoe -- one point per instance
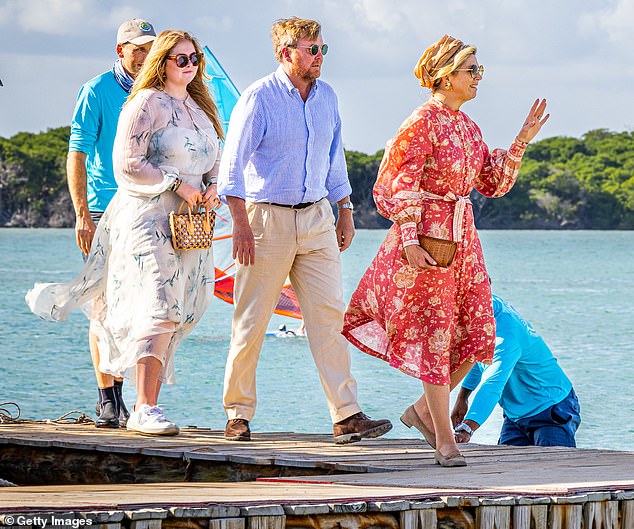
(108, 416)
(123, 411)
(109, 411)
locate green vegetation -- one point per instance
(569, 183)
(33, 188)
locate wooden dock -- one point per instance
(197, 480)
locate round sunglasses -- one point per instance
(183, 60)
(314, 49)
(473, 70)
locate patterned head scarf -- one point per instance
(436, 58)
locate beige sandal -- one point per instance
(410, 418)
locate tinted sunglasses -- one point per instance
(183, 60)
(474, 70)
(314, 49)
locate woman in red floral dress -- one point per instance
(431, 322)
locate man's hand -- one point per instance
(243, 240)
(84, 232)
(462, 436)
(460, 409)
(76, 179)
(344, 227)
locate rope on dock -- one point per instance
(12, 416)
(6, 415)
(67, 418)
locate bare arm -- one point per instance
(76, 178)
(243, 241)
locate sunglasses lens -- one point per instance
(194, 59)
(324, 49)
(314, 49)
(181, 60)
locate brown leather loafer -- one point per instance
(359, 426)
(237, 430)
(410, 418)
(452, 460)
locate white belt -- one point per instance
(458, 212)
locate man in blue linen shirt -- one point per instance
(283, 163)
(540, 406)
(90, 175)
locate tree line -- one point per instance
(564, 183)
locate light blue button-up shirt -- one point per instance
(281, 149)
(524, 376)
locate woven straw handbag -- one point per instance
(441, 250)
(193, 230)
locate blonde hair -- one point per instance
(287, 32)
(440, 59)
(152, 74)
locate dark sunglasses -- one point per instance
(314, 49)
(474, 70)
(183, 60)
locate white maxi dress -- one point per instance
(135, 288)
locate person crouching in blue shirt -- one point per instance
(539, 404)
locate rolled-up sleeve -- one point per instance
(246, 130)
(84, 128)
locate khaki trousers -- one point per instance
(302, 245)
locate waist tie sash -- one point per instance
(458, 212)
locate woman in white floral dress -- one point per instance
(147, 295)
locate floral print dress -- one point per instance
(429, 322)
(135, 288)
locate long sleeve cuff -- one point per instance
(516, 150)
(409, 234)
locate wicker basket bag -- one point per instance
(441, 250)
(193, 230)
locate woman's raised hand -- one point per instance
(534, 121)
(190, 194)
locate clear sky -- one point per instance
(576, 53)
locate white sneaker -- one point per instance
(151, 420)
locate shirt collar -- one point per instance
(281, 76)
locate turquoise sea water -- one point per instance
(577, 288)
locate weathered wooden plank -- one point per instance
(349, 507)
(388, 506)
(343, 521)
(493, 517)
(304, 510)
(627, 514)
(266, 522)
(146, 524)
(530, 516)
(565, 516)
(227, 523)
(418, 519)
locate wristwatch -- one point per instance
(463, 427)
(347, 205)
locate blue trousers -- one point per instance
(555, 426)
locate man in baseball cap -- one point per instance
(136, 31)
(90, 174)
